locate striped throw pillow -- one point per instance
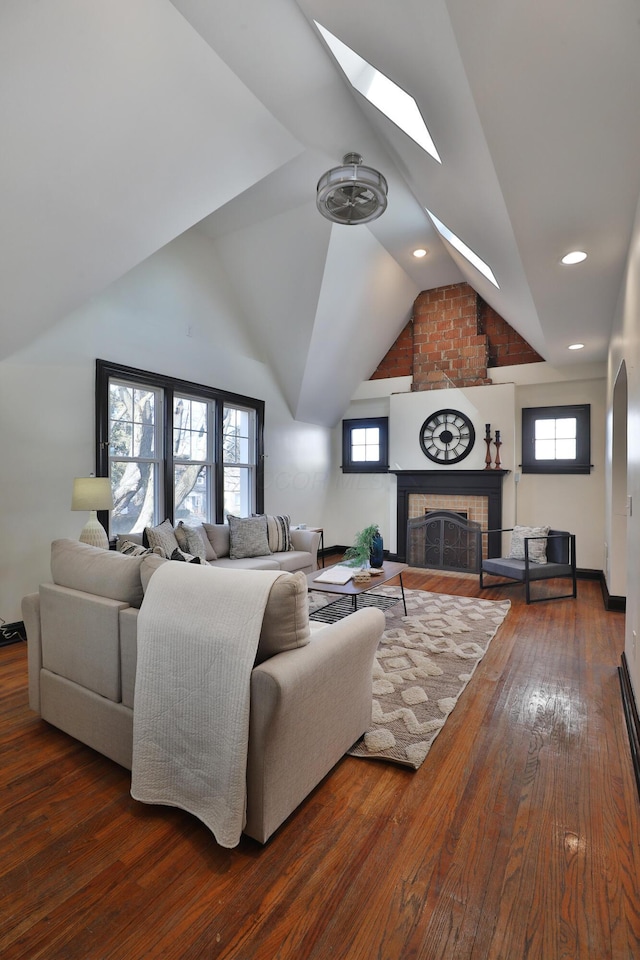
(278, 532)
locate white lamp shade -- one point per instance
(92, 493)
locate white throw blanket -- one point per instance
(198, 632)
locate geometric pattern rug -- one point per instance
(423, 663)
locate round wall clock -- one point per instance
(447, 436)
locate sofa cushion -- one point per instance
(293, 560)
(247, 563)
(162, 536)
(148, 567)
(218, 537)
(285, 625)
(537, 548)
(247, 537)
(194, 541)
(105, 573)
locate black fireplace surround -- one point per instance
(473, 483)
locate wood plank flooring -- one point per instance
(517, 838)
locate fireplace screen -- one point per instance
(444, 540)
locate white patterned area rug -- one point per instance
(423, 663)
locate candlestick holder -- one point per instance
(497, 444)
(487, 459)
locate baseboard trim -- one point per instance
(611, 602)
(12, 633)
(631, 717)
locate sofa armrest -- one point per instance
(308, 706)
(31, 618)
(309, 541)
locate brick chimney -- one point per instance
(451, 340)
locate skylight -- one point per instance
(397, 105)
(462, 248)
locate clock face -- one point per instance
(447, 436)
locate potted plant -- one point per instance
(366, 549)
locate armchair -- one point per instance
(561, 562)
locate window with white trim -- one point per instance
(135, 454)
(238, 464)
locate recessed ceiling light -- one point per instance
(420, 252)
(576, 346)
(576, 256)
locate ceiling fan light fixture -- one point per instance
(352, 193)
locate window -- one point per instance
(135, 454)
(176, 449)
(365, 445)
(238, 463)
(556, 439)
(193, 458)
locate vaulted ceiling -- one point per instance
(126, 124)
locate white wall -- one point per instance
(174, 314)
(574, 503)
(625, 348)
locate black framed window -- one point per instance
(365, 445)
(174, 449)
(556, 439)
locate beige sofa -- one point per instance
(217, 542)
(311, 687)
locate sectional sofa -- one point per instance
(311, 685)
(255, 543)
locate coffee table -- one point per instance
(390, 569)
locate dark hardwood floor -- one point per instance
(517, 838)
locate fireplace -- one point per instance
(477, 492)
(444, 540)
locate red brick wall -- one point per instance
(447, 347)
(451, 340)
(506, 347)
(399, 360)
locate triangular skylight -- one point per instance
(462, 248)
(383, 93)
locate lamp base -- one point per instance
(94, 533)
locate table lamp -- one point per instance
(92, 494)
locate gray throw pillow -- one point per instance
(247, 537)
(162, 536)
(537, 548)
(190, 540)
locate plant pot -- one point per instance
(376, 558)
